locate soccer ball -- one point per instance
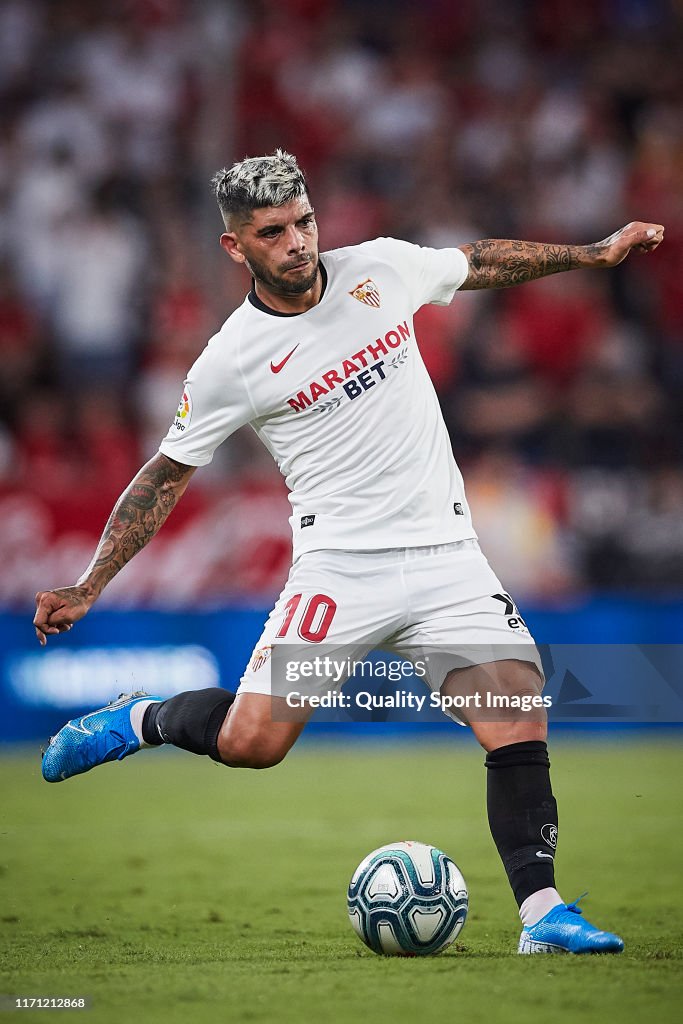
(407, 899)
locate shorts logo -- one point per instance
(367, 292)
(549, 834)
(458, 509)
(184, 412)
(307, 521)
(260, 657)
(514, 619)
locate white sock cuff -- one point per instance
(538, 905)
(137, 713)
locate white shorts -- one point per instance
(444, 599)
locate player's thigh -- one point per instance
(501, 701)
(258, 731)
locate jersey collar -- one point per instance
(258, 304)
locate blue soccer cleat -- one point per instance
(563, 930)
(83, 743)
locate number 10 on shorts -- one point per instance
(315, 622)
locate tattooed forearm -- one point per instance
(138, 515)
(501, 262)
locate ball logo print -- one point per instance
(549, 833)
(407, 899)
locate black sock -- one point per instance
(191, 720)
(523, 815)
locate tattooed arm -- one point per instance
(138, 515)
(500, 262)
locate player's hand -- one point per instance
(636, 235)
(57, 610)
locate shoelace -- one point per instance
(574, 907)
(129, 696)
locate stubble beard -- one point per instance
(280, 283)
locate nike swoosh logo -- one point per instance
(276, 367)
(548, 855)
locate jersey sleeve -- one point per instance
(430, 275)
(213, 405)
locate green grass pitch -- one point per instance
(167, 888)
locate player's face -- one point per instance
(279, 246)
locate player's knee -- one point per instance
(254, 759)
(492, 735)
(249, 752)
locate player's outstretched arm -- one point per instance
(502, 262)
(137, 516)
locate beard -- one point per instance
(279, 282)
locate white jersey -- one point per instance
(341, 398)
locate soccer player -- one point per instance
(321, 359)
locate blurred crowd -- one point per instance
(440, 123)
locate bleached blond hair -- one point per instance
(256, 182)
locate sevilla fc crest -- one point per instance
(367, 292)
(260, 657)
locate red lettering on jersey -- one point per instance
(299, 403)
(348, 367)
(332, 378)
(375, 350)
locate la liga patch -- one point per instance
(184, 411)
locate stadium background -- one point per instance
(439, 125)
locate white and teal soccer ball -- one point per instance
(407, 899)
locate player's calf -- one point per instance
(522, 816)
(191, 720)
(240, 732)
